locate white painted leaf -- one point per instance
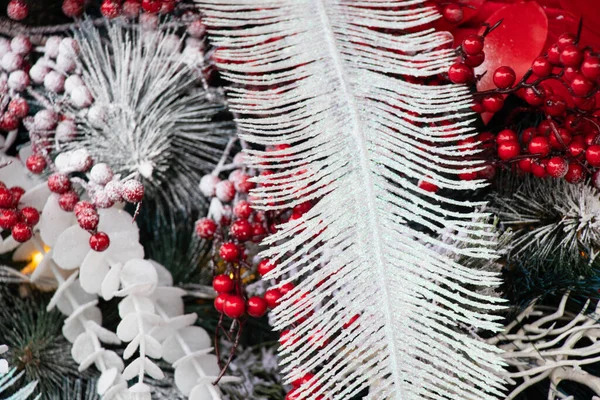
(114, 220)
(132, 347)
(138, 272)
(194, 337)
(153, 347)
(71, 247)
(93, 270)
(152, 369)
(106, 380)
(133, 369)
(112, 360)
(169, 299)
(128, 328)
(54, 220)
(140, 391)
(111, 282)
(204, 391)
(164, 276)
(82, 347)
(361, 139)
(103, 334)
(128, 305)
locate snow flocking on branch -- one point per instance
(320, 75)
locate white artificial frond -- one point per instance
(149, 118)
(325, 76)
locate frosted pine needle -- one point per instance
(149, 119)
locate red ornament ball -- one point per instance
(18, 107)
(257, 306)
(222, 283)
(21, 232)
(506, 135)
(504, 77)
(151, 6)
(229, 252)
(82, 206)
(571, 56)
(582, 86)
(99, 241)
(206, 228)
(234, 306)
(534, 98)
(30, 215)
(241, 230)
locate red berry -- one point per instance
(453, 13)
(87, 218)
(18, 107)
(17, 10)
(460, 73)
(541, 67)
(9, 122)
(229, 252)
(257, 306)
(575, 173)
(533, 98)
(285, 337)
(493, 102)
(167, 6)
(265, 266)
(151, 6)
(590, 68)
(243, 185)
(82, 206)
(284, 289)
(132, 191)
(504, 77)
(21, 232)
(206, 228)
(6, 198)
(8, 218)
(592, 155)
(234, 306)
(565, 40)
(110, 9)
(428, 186)
(17, 192)
(30, 215)
(555, 106)
(472, 45)
(222, 283)
(509, 149)
(467, 176)
(528, 134)
(538, 168)
(569, 74)
(241, 230)
(475, 61)
(258, 230)
(576, 147)
(131, 8)
(562, 140)
(242, 209)
(67, 201)
(59, 183)
(525, 165)
(557, 167)
(585, 104)
(304, 379)
(72, 8)
(506, 135)
(272, 297)
(220, 301)
(571, 56)
(554, 55)
(581, 86)
(539, 145)
(99, 241)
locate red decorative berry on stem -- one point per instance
(590, 68)
(539, 145)
(460, 73)
(504, 77)
(557, 167)
(242, 209)
(493, 102)
(533, 97)
(30, 215)
(72, 8)
(59, 183)
(234, 306)
(17, 10)
(229, 252)
(257, 306)
(99, 241)
(506, 135)
(83, 206)
(151, 6)
(565, 40)
(475, 60)
(555, 106)
(265, 266)
(68, 200)
(6, 198)
(132, 191)
(472, 45)
(571, 56)
(222, 283)
(110, 8)
(8, 218)
(21, 232)
(453, 13)
(509, 149)
(18, 107)
(581, 86)
(241, 230)
(554, 55)
(206, 228)
(272, 297)
(541, 67)
(87, 219)
(220, 301)
(575, 173)
(592, 155)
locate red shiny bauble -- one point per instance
(67, 201)
(110, 8)
(229, 252)
(222, 283)
(87, 219)
(590, 68)
(534, 98)
(555, 106)
(234, 306)
(582, 86)
(257, 306)
(220, 301)
(242, 209)
(453, 13)
(539, 145)
(99, 241)
(151, 6)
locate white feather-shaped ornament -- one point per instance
(323, 76)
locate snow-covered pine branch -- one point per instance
(323, 77)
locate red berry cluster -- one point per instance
(132, 8)
(14, 62)
(566, 144)
(453, 11)
(19, 220)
